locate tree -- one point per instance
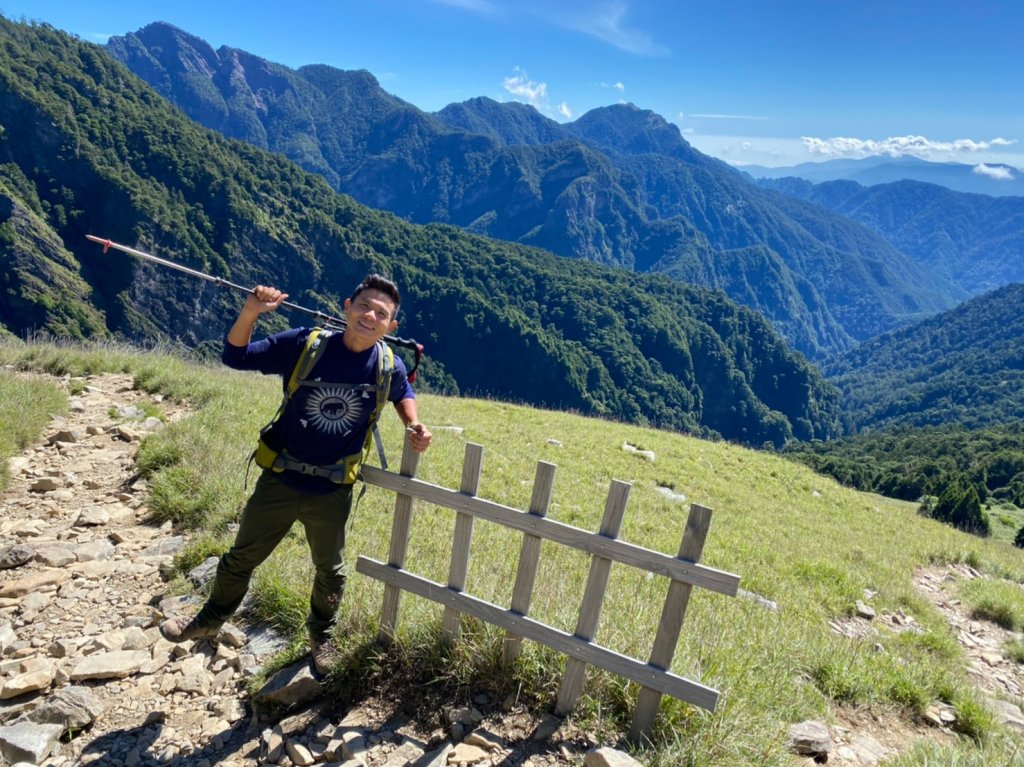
(959, 505)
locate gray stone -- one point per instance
(29, 742)
(45, 485)
(55, 555)
(290, 686)
(92, 516)
(15, 556)
(810, 739)
(438, 758)
(167, 547)
(67, 435)
(99, 550)
(203, 573)
(864, 611)
(609, 757)
(71, 707)
(111, 665)
(7, 636)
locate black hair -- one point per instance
(384, 285)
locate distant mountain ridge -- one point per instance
(994, 179)
(618, 186)
(973, 240)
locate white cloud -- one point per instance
(897, 146)
(618, 86)
(565, 111)
(522, 87)
(607, 24)
(998, 172)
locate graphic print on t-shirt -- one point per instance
(334, 410)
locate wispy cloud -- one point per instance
(618, 86)
(897, 146)
(522, 88)
(608, 24)
(998, 172)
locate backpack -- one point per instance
(346, 470)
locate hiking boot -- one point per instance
(324, 652)
(183, 628)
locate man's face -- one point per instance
(370, 315)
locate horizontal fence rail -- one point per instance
(683, 571)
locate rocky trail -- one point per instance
(86, 678)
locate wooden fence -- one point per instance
(683, 570)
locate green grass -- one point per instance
(999, 601)
(28, 404)
(794, 537)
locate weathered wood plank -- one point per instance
(671, 624)
(619, 551)
(472, 465)
(400, 528)
(593, 598)
(629, 668)
(529, 557)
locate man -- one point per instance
(310, 452)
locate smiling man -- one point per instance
(336, 385)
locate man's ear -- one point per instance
(392, 326)
(345, 306)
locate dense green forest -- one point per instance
(937, 407)
(939, 466)
(88, 148)
(618, 186)
(964, 366)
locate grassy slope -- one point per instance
(794, 537)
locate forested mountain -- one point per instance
(87, 147)
(618, 186)
(974, 240)
(963, 367)
(996, 180)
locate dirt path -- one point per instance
(81, 595)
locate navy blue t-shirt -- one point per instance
(321, 424)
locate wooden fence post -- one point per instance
(672, 614)
(400, 528)
(529, 556)
(593, 598)
(471, 467)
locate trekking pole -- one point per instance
(328, 321)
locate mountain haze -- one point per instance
(619, 186)
(997, 180)
(973, 240)
(88, 148)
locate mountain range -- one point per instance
(618, 186)
(995, 179)
(86, 147)
(964, 367)
(973, 240)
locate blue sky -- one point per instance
(771, 82)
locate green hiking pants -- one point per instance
(268, 516)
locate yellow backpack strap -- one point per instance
(315, 344)
(385, 367)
